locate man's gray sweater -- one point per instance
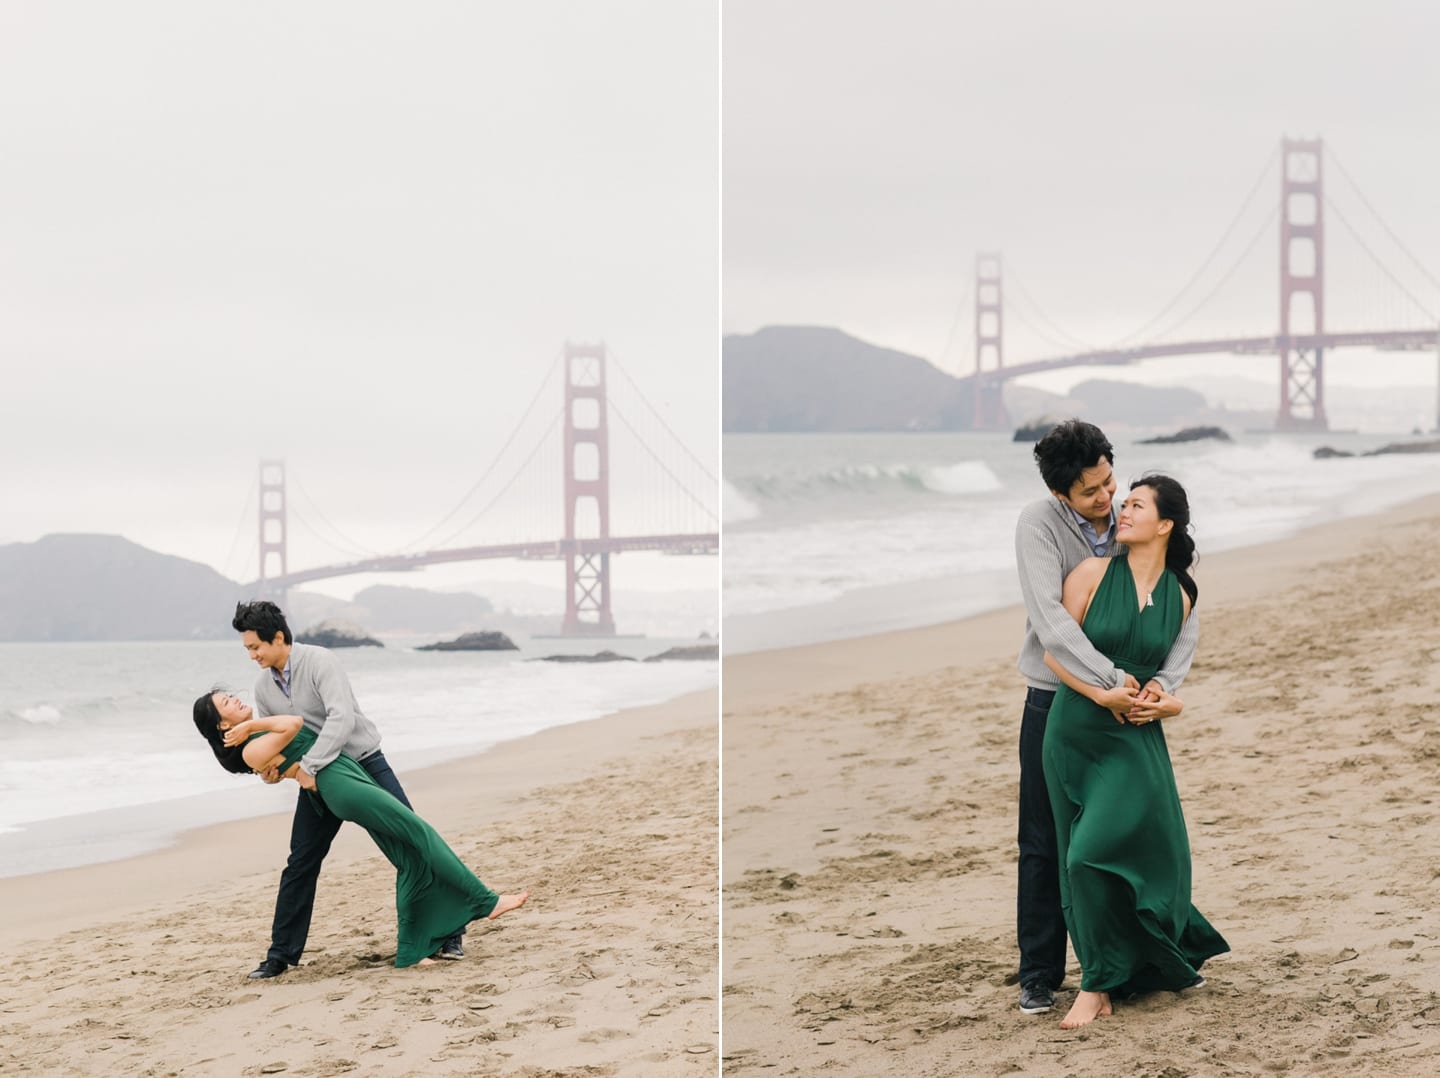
(320, 694)
(1048, 545)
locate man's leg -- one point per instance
(1040, 923)
(310, 836)
(385, 778)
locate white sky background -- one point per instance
(352, 235)
(872, 149)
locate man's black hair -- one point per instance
(1068, 450)
(262, 617)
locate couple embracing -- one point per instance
(307, 727)
(1110, 634)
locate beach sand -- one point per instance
(869, 815)
(139, 966)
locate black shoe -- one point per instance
(451, 950)
(1035, 998)
(271, 967)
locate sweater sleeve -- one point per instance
(333, 688)
(1042, 581)
(1182, 654)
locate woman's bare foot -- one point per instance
(508, 903)
(427, 962)
(1088, 1006)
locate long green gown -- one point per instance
(436, 895)
(1124, 853)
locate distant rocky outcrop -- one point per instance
(1034, 430)
(1188, 434)
(483, 641)
(337, 634)
(1326, 452)
(597, 657)
(693, 653)
(813, 378)
(104, 587)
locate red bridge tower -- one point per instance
(1302, 276)
(587, 492)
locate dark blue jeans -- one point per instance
(1040, 923)
(311, 834)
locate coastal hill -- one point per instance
(791, 379)
(813, 378)
(103, 587)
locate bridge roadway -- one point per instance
(1394, 340)
(703, 543)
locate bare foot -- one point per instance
(427, 962)
(1088, 1006)
(508, 903)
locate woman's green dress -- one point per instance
(436, 895)
(1124, 853)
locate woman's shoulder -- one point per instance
(1091, 569)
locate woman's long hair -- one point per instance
(207, 721)
(1172, 504)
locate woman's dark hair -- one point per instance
(207, 721)
(263, 618)
(1068, 450)
(1172, 504)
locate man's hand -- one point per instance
(1153, 702)
(304, 778)
(270, 775)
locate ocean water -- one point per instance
(101, 758)
(834, 536)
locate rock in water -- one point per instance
(695, 652)
(598, 657)
(1035, 430)
(338, 634)
(1189, 434)
(486, 641)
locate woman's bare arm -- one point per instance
(264, 752)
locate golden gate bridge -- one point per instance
(1302, 336)
(676, 511)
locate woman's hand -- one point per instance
(1118, 701)
(240, 732)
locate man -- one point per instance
(299, 679)
(1054, 535)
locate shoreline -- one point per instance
(181, 843)
(98, 836)
(869, 849)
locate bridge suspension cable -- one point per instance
(661, 419)
(539, 445)
(494, 463)
(246, 520)
(1209, 259)
(1378, 219)
(1225, 279)
(346, 544)
(960, 312)
(1380, 264)
(707, 508)
(1065, 339)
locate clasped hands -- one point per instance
(1139, 705)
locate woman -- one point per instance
(436, 895)
(1124, 853)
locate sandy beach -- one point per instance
(139, 966)
(869, 793)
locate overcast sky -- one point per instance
(354, 235)
(872, 149)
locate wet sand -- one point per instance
(869, 793)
